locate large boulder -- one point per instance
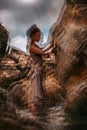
(70, 35)
(7, 107)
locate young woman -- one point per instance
(37, 91)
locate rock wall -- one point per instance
(70, 34)
(68, 73)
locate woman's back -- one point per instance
(36, 58)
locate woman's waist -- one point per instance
(40, 63)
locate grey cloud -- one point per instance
(25, 15)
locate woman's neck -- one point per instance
(33, 43)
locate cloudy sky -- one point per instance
(18, 15)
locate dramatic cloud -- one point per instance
(19, 41)
(28, 1)
(19, 15)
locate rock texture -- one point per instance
(68, 72)
(13, 67)
(70, 34)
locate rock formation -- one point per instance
(70, 34)
(68, 72)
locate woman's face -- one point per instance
(36, 37)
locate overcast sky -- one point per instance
(18, 15)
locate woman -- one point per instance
(35, 74)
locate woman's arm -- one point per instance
(37, 50)
(50, 46)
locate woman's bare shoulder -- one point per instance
(36, 49)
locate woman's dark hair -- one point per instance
(4, 36)
(32, 30)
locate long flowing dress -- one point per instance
(37, 91)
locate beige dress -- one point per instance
(37, 92)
